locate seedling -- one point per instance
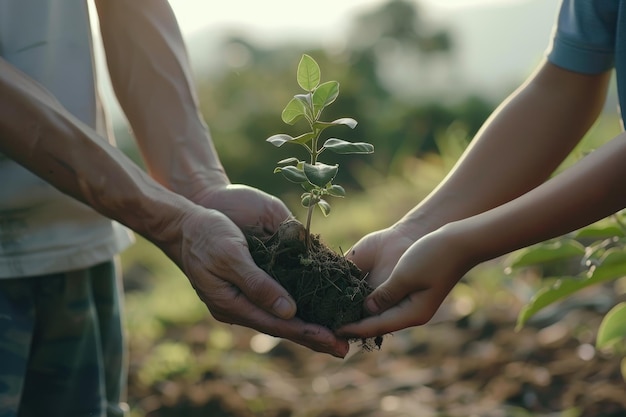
(327, 287)
(315, 177)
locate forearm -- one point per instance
(587, 192)
(518, 148)
(151, 76)
(37, 132)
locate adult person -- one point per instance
(65, 190)
(501, 195)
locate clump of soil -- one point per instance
(328, 288)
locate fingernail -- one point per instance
(284, 308)
(371, 306)
(341, 351)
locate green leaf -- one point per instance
(546, 296)
(613, 327)
(309, 73)
(324, 206)
(286, 161)
(336, 191)
(292, 173)
(547, 252)
(319, 126)
(599, 231)
(305, 99)
(279, 140)
(293, 111)
(344, 147)
(611, 268)
(304, 138)
(305, 199)
(612, 265)
(308, 186)
(324, 95)
(346, 121)
(307, 104)
(320, 174)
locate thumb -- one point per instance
(388, 294)
(384, 297)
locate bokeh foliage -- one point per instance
(242, 102)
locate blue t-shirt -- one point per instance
(590, 38)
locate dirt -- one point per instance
(466, 363)
(328, 288)
(471, 366)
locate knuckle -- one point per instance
(253, 285)
(384, 297)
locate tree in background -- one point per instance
(386, 48)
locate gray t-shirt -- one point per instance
(42, 230)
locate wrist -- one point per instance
(198, 185)
(468, 242)
(186, 163)
(155, 213)
(417, 223)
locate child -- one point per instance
(498, 197)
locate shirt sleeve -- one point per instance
(584, 36)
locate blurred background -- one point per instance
(420, 77)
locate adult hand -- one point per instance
(246, 206)
(417, 285)
(213, 254)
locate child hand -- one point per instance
(378, 252)
(416, 287)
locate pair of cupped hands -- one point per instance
(408, 272)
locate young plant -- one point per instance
(315, 177)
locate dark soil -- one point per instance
(328, 288)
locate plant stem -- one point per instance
(307, 239)
(314, 153)
(312, 201)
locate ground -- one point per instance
(465, 363)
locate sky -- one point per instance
(275, 18)
(268, 16)
(498, 42)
